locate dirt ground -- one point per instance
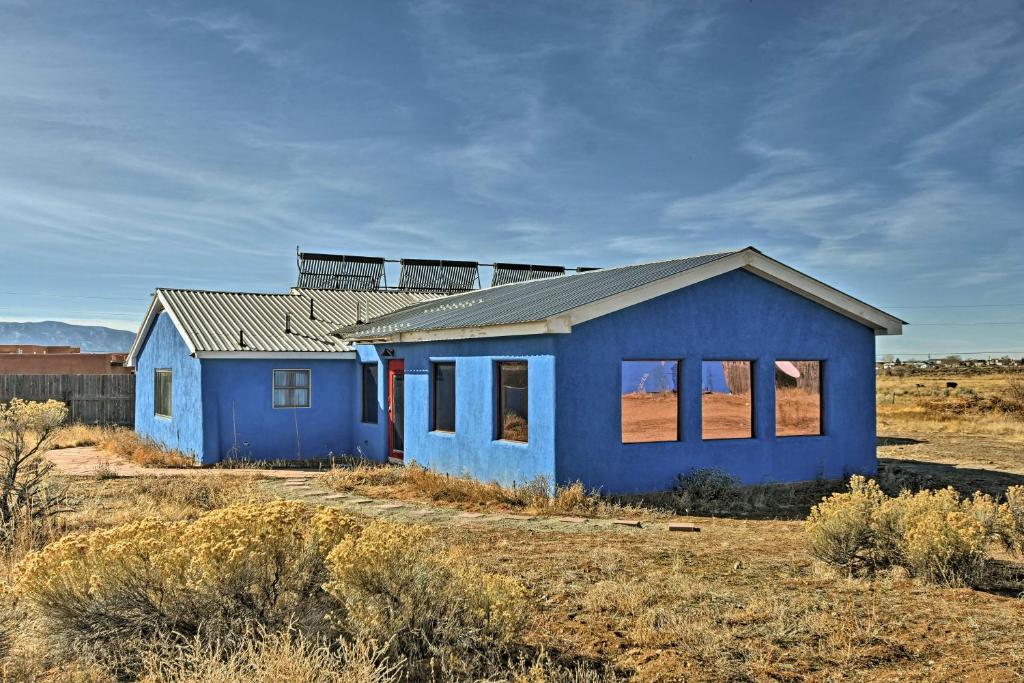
(650, 417)
(797, 412)
(726, 416)
(91, 461)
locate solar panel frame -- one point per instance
(509, 273)
(439, 276)
(340, 272)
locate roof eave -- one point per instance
(749, 259)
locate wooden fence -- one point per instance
(91, 399)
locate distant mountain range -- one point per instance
(90, 338)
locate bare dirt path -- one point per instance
(88, 461)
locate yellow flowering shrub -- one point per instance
(1011, 520)
(942, 539)
(399, 587)
(229, 570)
(935, 535)
(840, 527)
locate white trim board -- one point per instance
(277, 355)
(156, 306)
(748, 259)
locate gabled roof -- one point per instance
(209, 322)
(554, 305)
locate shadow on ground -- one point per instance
(898, 441)
(895, 474)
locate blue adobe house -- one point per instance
(620, 378)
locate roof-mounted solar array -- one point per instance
(508, 273)
(340, 271)
(438, 276)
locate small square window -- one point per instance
(162, 393)
(650, 400)
(369, 393)
(513, 401)
(727, 405)
(291, 388)
(797, 398)
(444, 397)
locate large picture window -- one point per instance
(797, 398)
(444, 397)
(513, 401)
(727, 405)
(291, 388)
(162, 393)
(650, 400)
(369, 395)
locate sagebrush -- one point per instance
(938, 536)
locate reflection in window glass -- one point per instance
(797, 397)
(650, 401)
(727, 407)
(513, 402)
(444, 397)
(370, 393)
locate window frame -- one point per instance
(434, 366)
(679, 399)
(308, 388)
(821, 399)
(753, 399)
(499, 402)
(170, 375)
(362, 393)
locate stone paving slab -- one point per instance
(390, 506)
(572, 520)
(423, 513)
(471, 515)
(359, 501)
(336, 496)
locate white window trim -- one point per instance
(309, 388)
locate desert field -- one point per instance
(583, 587)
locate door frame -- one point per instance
(395, 367)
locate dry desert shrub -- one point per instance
(117, 590)
(142, 450)
(364, 473)
(285, 656)
(74, 435)
(937, 536)
(400, 588)
(29, 499)
(1011, 520)
(713, 492)
(535, 496)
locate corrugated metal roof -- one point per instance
(525, 301)
(212, 320)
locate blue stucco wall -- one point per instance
(369, 440)
(242, 388)
(473, 449)
(734, 316)
(164, 348)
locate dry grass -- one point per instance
(417, 483)
(991, 404)
(124, 443)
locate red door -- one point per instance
(396, 409)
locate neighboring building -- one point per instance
(32, 359)
(621, 378)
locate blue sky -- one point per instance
(878, 146)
